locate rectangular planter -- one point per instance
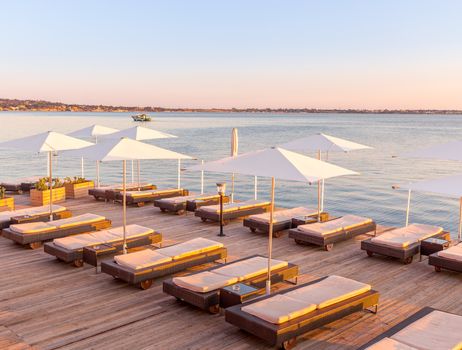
(43, 197)
(78, 190)
(7, 203)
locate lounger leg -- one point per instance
(374, 309)
(293, 281)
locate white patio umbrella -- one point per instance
(93, 131)
(122, 150)
(450, 186)
(320, 143)
(276, 163)
(49, 142)
(141, 133)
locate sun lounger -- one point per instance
(180, 204)
(279, 318)
(20, 185)
(142, 267)
(232, 210)
(139, 198)
(427, 329)
(282, 219)
(71, 249)
(402, 243)
(203, 289)
(32, 214)
(325, 234)
(449, 259)
(107, 193)
(34, 233)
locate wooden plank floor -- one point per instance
(46, 304)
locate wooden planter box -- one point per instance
(43, 197)
(7, 203)
(78, 190)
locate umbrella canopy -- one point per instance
(93, 131)
(122, 150)
(50, 142)
(276, 163)
(323, 143)
(140, 133)
(445, 151)
(449, 186)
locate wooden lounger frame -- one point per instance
(64, 214)
(210, 301)
(35, 240)
(110, 194)
(278, 227)
(441, 262)
(405, 254)
(285, 335)
(78, 256)
(400, 326)
(141, 200)
(143, 278)
(327, 241)
(18, 188)
(230, 215)
(188, 205)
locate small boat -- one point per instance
(141, 118)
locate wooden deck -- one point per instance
(46, 304)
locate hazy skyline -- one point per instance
(295, 54)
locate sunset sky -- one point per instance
(250, 53)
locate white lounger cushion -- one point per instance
(404, 236)
(179, 199)
(390, 344)
(343, 223)
(279, 309)
(152, 192)
(249, 268)
(284, 215)
(436, 331)
(100, 237)
(204, 281)
(32, 211)
(330, 290)
(83, 219)
(191, 247)
(32, 227)
(228, 207)
(453, 253)
(141, 259)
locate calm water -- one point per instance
(207, 136)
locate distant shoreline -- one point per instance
(13, 105)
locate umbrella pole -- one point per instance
(81, 166)
(124, 214)
(97, 174)
(319, 192)
(202, 178)
(50, 182)
(138, 168)
(255, 188)
(322, 185)
(460, 219)
(408, 206)
(270, 240)
(179, 174)
(232, 188)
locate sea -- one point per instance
(207, 136)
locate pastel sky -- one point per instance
(239, 53)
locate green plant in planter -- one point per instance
(42, 184)
(75, 180)
(2, 192)
(57, 183)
